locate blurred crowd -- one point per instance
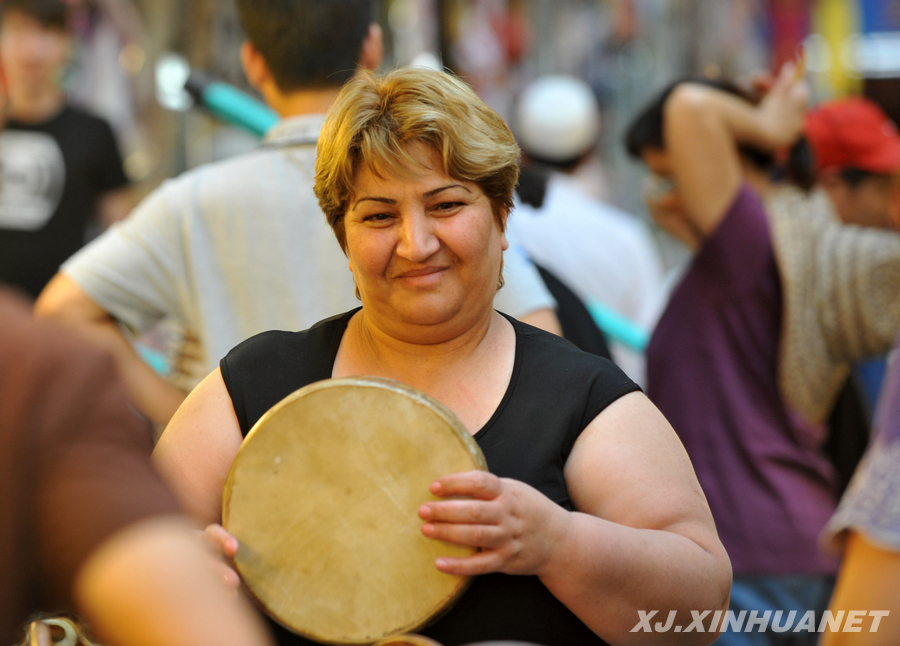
(744, 271)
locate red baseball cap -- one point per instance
(855, 133)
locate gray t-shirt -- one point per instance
(239, 247)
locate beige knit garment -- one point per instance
(840, 293)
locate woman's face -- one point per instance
(424, 248)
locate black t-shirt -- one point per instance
(52, 174)
(554, 393)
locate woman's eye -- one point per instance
(377, 217)
(448, 206)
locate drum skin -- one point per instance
(323, 498)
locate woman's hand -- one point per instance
(223, 547)
(784, 106)
(516, 527)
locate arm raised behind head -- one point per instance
(703, 128)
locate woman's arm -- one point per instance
(703, 127)
(195, 452)
(643, 538)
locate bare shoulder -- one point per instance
(198, 446)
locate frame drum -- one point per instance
(323, 497)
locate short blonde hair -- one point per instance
(375, 120)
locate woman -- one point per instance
(591, 501)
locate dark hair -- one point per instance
(533, 181)
(853, 176)
(646, 132)
(50, 13)
(800, 166)
(308, 43)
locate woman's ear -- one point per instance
(504, 217)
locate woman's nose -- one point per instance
(418, 241)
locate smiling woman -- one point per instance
(426, 248)
(590, 511)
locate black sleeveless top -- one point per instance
(554, 393)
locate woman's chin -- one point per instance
(432, 310)
(452, 310)
(427, 314)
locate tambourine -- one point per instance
(323, 497)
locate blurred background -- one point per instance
(130, 52)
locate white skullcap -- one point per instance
(557, 118)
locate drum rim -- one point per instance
(447, 415)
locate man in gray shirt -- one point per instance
(238, 247)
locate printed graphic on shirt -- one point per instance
(33, 177)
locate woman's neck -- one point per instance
(415, 355)
(468, 373)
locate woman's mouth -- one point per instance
(421, 276)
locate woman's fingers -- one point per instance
(514, 525)
(227, 574)
(483, 536)
(220, 541)
(461, 511)
(482, 519)
(481, 485)
(223, 548)
(480, 563)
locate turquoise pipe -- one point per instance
(231, 104)
(617, 327)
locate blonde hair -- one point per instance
(376, 120)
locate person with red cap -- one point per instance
(857, 159)
(856, 162)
